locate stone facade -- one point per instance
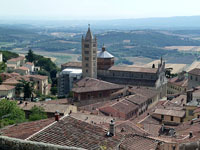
(193, 78)
(89, 55)
(153, 78)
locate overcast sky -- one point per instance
(97, 9)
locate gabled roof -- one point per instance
(195, 71)
(138, 142)
(72, 132)
(24, 130)
(90, 85)
(16, 59)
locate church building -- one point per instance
(101, 65)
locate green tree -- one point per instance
(37, 113)
(54, 90)
(10, 113)
(27, 88)
(2, 67)
(30, 56)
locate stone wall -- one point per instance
(7, 143)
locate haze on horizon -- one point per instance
(96, 9)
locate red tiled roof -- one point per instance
(58, 101)
(73, 64)
(90, 85)
(73, 132)
(137, 142)
(176, 81)
(40, 77)
(6, 87)
(17, 59)
(29, 63)
(24, 130)
(195, 71)
(133, 69)
(22, 68)
(170, 112)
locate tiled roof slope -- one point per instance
(73, 132)
(137, 142)
(90, 84)
(24, 130)
(195, 71)
(133, 69)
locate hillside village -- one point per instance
(96, 104)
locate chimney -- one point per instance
(112, 128)
(56, 116)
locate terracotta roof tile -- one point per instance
(6, 87)
(170, 112)
(24, 130)
(73, 64)
(90, 84)
(137, 142)
(195, 71)
(73, 132)
(177, 81)
(17, 59)
(133, 69)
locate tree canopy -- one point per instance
(37, 113)
(10, 113)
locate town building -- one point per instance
(7, 91)
(30, 66)
(194, 78)
(66, 79)
(90, 89)
(122, 109)
(169, 116)
(89, 55)
(41, 83)
(18, 62)
(22, 70)
(177, 84)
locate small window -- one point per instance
(88, 96)
(190, 112)
(196, 79)
(86, 46)
(94, 45)
(191, 77)
(94, 58)
(162, 117)
(100, 94)
(172, 118)
(86, 58)
(86, 65)
(86, 52)
(86, 70)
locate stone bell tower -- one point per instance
(89, 55)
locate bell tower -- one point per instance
(89, 55)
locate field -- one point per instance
(184, 48)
